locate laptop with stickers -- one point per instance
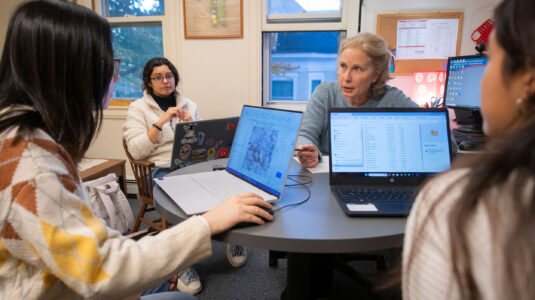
(379, 157)
(204, 140)
(259, 162)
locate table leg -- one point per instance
(309, 276)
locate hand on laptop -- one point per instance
(237, 209)
(308, 158)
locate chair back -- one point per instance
(143, 172)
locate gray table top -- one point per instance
(316, 226)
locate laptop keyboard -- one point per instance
(375, 194)
(221, 186)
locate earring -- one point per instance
(373, 86)
(519, 107)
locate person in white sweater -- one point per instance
(51, 244)
(149, 132)
(471, 232)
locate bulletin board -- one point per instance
(387, 29)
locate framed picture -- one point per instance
(207, 19)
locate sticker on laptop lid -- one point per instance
(361, 207)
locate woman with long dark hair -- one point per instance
(471, 234)
(56, 76)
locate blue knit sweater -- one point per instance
(315, 127)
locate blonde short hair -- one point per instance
(375, 48)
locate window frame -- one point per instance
(342, 22)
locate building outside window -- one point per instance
(300, 39)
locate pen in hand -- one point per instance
(304, 150)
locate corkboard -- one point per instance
(387, 28)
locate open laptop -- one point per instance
(204, 140)
(380, 156)
(259, 162)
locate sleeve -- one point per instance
(314, 118)
(94, 260)
(135, 133)
(426, 258)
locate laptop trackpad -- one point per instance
(361, 207)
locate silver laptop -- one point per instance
(259, 162)
(380, 156)
(199, 141)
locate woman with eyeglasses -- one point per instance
(149, 132)
(149, 129)
(56, 77)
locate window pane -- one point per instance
(282, 89)
(304, 58)
(294, 7)
(123, 8)
(135, 45)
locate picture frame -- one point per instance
(208, 19)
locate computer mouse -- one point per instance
(269, 210)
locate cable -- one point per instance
(297, 183)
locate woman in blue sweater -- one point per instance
(363, 70)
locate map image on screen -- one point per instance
(260, 150)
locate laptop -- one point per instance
(204, 140)
(259, 161)
(380, 156)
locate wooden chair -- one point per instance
(143, 173)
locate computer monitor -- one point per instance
(462, 91)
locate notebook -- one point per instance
(379, 157)
(204, 140)
(259, 162)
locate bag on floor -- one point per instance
(109, 203)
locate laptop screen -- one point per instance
(389, 142)
(263, 146)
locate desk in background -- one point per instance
(104, 168)
(317, 226)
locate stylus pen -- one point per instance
(304, 150)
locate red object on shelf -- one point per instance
(481, 34)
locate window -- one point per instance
(301, 53)
(300, 38)
(137, 33)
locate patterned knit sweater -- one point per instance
(53, 247)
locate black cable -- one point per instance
(297, 183)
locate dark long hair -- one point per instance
(57, 59)
(510, 171)
(153, 63)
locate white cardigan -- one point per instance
(144, 112)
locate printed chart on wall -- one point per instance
(426, 38)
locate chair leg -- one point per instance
(139, 216)
(164, 223)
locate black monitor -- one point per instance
(462, 91)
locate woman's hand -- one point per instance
(172, 112)
(184, 116)
(237, 209)
(308, 158)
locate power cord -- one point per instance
(298, 183)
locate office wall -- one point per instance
(6, 9)
(475, 12)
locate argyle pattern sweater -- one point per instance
(53, 247)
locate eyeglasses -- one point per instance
(160, 77)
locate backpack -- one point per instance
(109, 203)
